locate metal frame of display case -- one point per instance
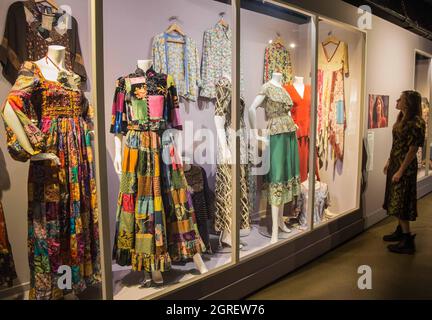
(429, 137)
(241, 276)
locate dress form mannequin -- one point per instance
(155, 276)
(225, 158)
(50, 68)
(277, 211)
(118, 139)
(299, 85)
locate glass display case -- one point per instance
(176, 62)
(227, 135)
(339, 120)
(276, 63)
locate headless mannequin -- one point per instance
(49, 68)
(299, 85)
(277, 211)
(156, 276)
(118, 139)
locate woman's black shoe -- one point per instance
(405, 246)
(395, 236)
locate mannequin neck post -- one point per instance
(277, 78)
(57, 55)
(144, 64)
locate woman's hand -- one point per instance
(386, 167)
(397, 176)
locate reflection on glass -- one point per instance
(338, 120)
(422, 85)
(276, 68)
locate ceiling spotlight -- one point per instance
(292, 45)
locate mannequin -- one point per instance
(299, 85)
(224, 136)
(156, 276)
(277, 211)
(118, 139)
(48, 67)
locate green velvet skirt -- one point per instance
(284, 174)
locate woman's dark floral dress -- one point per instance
(401, 198)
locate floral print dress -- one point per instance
(400, 198)
(62, 201)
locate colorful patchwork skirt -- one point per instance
(184, 240)
(284, 176)
(155, 218)
(7, 267)
(62, 212)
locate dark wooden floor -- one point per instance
(334, 275)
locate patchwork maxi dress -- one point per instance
(156, 221)
(62, 200)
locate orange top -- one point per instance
(300, 111)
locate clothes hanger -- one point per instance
(279, 40)
(175, 28)
(331, 39)
(222, 22)
(52, 3)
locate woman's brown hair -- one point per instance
(414, 108)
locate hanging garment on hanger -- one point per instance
(62, 201)
(179, 59)
(277, 59)
(332, 70)
(216, 61)
(26, 40)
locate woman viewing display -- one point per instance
(401, 170)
